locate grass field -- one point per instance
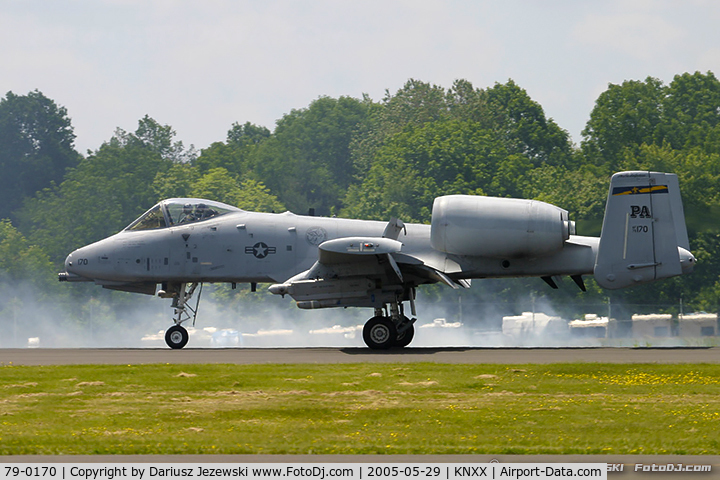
(361, 409)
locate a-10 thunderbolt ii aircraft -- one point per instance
(333, 262)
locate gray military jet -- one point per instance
(181, 243)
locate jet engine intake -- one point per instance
(498, 227)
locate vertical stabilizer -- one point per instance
(643, 237)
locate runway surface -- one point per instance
(119, 356)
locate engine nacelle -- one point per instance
(498, 227)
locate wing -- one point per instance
(361, 272)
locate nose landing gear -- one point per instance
(177, 336)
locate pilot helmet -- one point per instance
(187, 209)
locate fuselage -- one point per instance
(240, 246)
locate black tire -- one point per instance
(379, 333)
(403, 339)
(176, 337)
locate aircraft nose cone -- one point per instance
(77, 262)
(69, 263)
(71, 271)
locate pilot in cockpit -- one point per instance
(202, 212)
(187, 215)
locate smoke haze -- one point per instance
(228, 319)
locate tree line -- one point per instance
(369, 159)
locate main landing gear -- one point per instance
(386, 331)
(177, 336)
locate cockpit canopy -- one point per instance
(180, 211)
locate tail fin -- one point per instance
(643, 237)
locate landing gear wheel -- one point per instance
(176, 337)
(379, 333)
(403, 339)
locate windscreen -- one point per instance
(151, 220)
(178, 212)
(190, 211)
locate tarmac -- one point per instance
(459, 355)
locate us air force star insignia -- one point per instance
(260, 250)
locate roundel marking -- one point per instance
(260, 250)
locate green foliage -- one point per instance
(581, 191)
(702, 288)
(522, 122)
(22, 262)
(423, 162)
(246, 135)
(176, 181)
(221, 155)
(153, 137)
(424, 142)
(624, 116)
(307, 160)
(256, 197)
(242, 142)
(682, 115)
(691, 112)
(219, 184)
(414, 105)
(36, 147)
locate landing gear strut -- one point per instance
(386, 331)
(177, 336)
(406, 332)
